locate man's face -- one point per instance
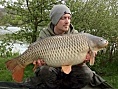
(64, 23)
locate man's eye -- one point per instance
(62, 18)
(69, 17)
(65, 18)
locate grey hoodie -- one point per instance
(50, 31)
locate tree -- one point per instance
(30, 15)
(98, 17)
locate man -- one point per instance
(81, 77)
(54, 78)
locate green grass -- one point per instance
(5, 75)
(112, 80)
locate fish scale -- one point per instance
(52, 47)
(55, 46)
(58, 51)
(68, 51)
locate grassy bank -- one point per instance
(112, 80)
(5, 75)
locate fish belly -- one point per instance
(58, 58)
(69, 60)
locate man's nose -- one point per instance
(67, 20)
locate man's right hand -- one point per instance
(38, 63)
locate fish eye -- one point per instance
(101, 39)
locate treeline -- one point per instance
(98, 17)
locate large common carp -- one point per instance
(58, 51)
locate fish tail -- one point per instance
(16, 69)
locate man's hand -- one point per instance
(38, 63)
(88, 56)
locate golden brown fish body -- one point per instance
(59, 51)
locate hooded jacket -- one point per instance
(49, 31)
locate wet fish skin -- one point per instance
(57, 51)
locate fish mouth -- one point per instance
(106, 43)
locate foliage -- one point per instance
(4, 51)
(105, 67)
(100, 18)
(112, 80)
(30, 15)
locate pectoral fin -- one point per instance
(66, 69)
(92, 58)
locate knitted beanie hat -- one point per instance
(57, 11)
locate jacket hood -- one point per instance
(51, 29)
